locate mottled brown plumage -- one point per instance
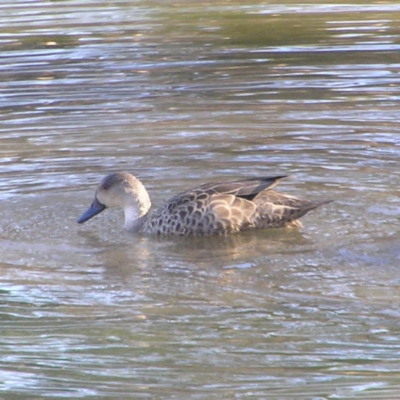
(212, 208)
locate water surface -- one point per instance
(180, 93)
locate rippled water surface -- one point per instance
(180, 93)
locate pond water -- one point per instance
(181, 93)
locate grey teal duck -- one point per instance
(212, 208)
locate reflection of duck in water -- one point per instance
(212, 208)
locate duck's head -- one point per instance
(120, 190)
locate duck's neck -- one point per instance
(134, 219)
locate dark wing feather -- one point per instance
(245, 188)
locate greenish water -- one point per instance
(181, 94)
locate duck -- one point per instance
(209, 209)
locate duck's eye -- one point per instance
(107, 185)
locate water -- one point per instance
(180, 93)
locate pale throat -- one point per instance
(132, 214)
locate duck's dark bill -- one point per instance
(93, 210)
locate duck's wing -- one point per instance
(213, 208)
(277, 210)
